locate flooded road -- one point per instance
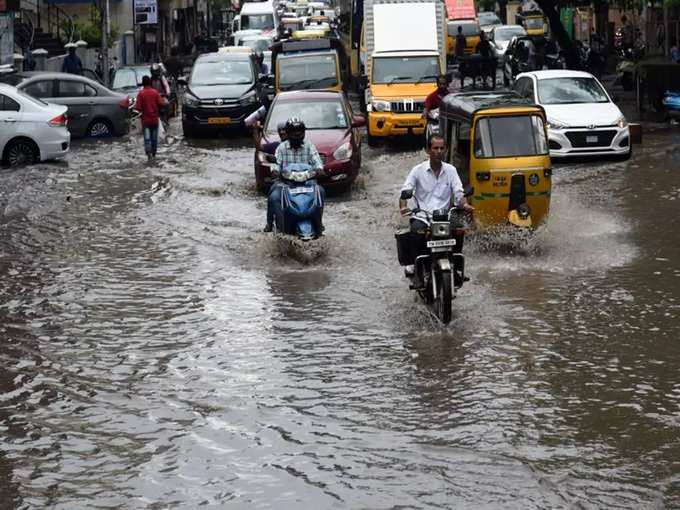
(158, 352)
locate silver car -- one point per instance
(93, 110)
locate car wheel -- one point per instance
(21, 152)
(100, 128)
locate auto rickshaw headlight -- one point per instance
(440, 229)
(622, 122)
(524, 211)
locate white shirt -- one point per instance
(430, 192)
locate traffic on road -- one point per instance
(326, 267)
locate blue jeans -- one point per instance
(151, 139)
(273, 201)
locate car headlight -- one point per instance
(554, 124)
(262, 158)
(190, 100)
(250, 98)
(343, 152)
(622, 122)
(380, 105)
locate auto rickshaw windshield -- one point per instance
(510, 136)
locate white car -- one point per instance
(500, 37)
(582, 118)
(30, 129)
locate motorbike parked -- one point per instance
(302, 200)
(435, 254)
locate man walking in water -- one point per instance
(149, 104)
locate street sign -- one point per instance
(146, 12)
(6, 39)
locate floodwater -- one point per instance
(158, 352)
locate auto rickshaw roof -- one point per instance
(469, 103)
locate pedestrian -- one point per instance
(72, 63)
(149, 103)
(488, 64)
(461, 42)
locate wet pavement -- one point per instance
(158, 352)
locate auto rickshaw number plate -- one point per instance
(219, 120)
(441, 243)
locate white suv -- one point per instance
(30, 129)
(582, 118)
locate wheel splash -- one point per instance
(304, 252)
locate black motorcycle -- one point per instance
(435, 252)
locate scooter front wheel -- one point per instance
(444, 296)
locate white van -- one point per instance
(255, 16)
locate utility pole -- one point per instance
(105, 41)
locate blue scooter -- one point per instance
(300, 208)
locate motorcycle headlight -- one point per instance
(441, 229)
(554, 124)
(250, 98)
(343, 152)
(190, 100)
(380, 105)
(622, 122)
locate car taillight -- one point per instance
(124, 103)
(59, 121)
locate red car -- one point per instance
(331, 127)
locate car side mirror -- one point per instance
(468, 191)
(406, 194)
(358, 121)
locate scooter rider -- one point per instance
(435, 185)
(295, 149)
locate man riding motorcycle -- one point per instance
(295, 149)
(435, 185)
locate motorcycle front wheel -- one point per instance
(444, 296)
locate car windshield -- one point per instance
(129, 77)
(257, 21)
(468, 28)
(258, 45)
(405, 69)
(534, 23)
(492, 139)
(224, 72)
(316, 114)
(571, 91)
(508, 33)
(488, 18)
(307, 72)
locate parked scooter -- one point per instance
(438, 264)
(302, 200)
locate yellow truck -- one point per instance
(404, 51)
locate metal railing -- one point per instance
(52, 19)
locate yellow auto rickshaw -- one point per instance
(499, 144)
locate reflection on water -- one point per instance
(159, 353)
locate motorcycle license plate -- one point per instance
(442, 243)
(304, 189)
(219, 120)
(591, 139)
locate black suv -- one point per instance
(223, 89)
